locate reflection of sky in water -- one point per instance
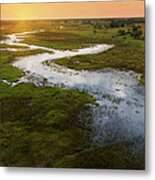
(120, 113)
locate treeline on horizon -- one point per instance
(129, 20)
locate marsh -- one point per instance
(70, 93)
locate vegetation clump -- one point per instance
(39, 126)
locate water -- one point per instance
(119, 115)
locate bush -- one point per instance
(121, 32)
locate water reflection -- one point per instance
(119, 115)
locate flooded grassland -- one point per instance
(85, 115)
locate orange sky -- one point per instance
(72, 10)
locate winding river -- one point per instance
(119, 115)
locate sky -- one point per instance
(68, 10)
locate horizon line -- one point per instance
(129, 17)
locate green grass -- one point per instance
(115, 156)
(15, 54)
(58, 40)
(7, 71)
(12, 46)
(40, 125)
(75, 37)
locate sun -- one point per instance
(18, 11)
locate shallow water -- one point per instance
(119, 115)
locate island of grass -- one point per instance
(3, 46)
(123, 57)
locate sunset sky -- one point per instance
(72, 10)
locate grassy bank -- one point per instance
(115, 156)
(123, 57)
(39, 126)
(12, 46)
(7, 71)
